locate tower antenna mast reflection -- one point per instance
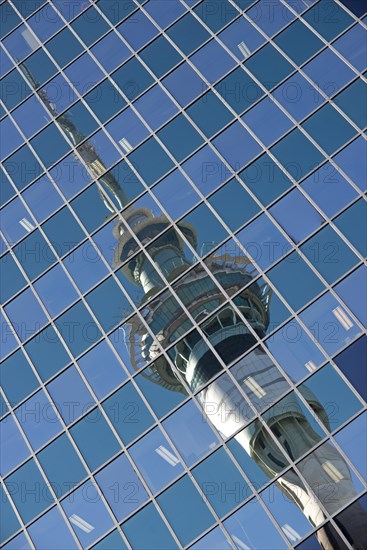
(229, 334)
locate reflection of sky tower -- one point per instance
(230, 336)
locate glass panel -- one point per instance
(160, 56)
(62, 465)
(221, 482)
(269, 66)
(11, 277)
(95, 439)
(128, 413)
(190, 433)
(38, 419)
(243, 527)
(51, 531)
(349, 223)
(185, 510)
(237, 146)
(47, 353)
(258, 118)
(298, 42)
(38, 496)
(87, 514)
(156, 460)
(213, 71)
(159, 537)
(352, 160)
(209, 114)
(328, 18)
(353, 362)
(353, 291)
(17, 378)
(241, 38)
(188, 34)
(78, 329)
(14, 449)
(121, 487)
(26, 314)
(70, 395)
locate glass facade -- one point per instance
(183, 278)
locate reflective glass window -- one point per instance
(64, 47)
(86, 266)
(243, 527)
(84, 73)
(128, 413)
(328, 72)
(236, 145)
(206, 170)
(271, 17)
(38, 419)
(5, 62)
(63, 467)
(351, 100)
(349, 223)
(209, 114)
(352, 45)
(127, 130)
(42, 198)
(352, 441)
(329, 189)
(353, 364)
(89, 208)
(132, 78)
(14, 139)
(14, 449)
(188, 34)
(269, 66)
(185, 510)
(294, 350)
(161, 399)
(176, 193)
(296, 215)
(239, 90)
(87, 513)
(329, 128)
(78, 328)
(90, 26)
(116, 12)
(137, 30)
(26, 314)
(298, 42)
(150, 160)
(8, 340)
(20, 542)
(329, 323)
(216, 15)
(9, 521)
(13, 88)
(22, 167)
(334, 471)
(51, 531)
(184, 84)
(298, 96)
(164, 14)
(50, 145)
(159, 537)
(109, 292)
(63, 231)
(12, 279)
(263, 241)
(9, 17)
(121, 487)
(102, 369)
(59, 93)
(241, 38)
(328, 18)
(28, 477)
(70, 395)
(160, 56)
(292, 273)
(38, 68)
(95, 439)
(190, 433)
(82, 123)
(234, 204)
(47, 353)
(156, 107)
(265, 179)
(215, 540)
(113, 540)
(297, 154)
(46, 22)
(156, 460)
(213, 71)
(209, 230)
(221, 482)
(111, 51)
(180, 137)
(258, 118)
(329, 254)
(55, 290)
(11, 216)
(333, 401)
(353, 291)
(352, 160)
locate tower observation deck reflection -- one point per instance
(324, 472)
